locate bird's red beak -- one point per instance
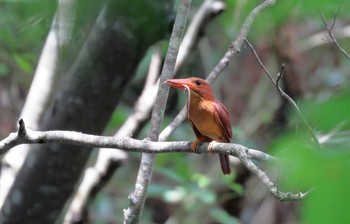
(178, 83)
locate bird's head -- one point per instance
(193, 85)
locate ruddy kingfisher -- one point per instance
(208, 117)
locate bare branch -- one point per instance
(138, 196)
(318, 39)
(334, 19)
(331, 36)
(246, 155)
(28, 136)
(280, 76)
(284, 94)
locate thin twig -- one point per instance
(331, 35)
(280, 76)
(334, 19)
(284, 94)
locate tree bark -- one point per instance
(84, 101)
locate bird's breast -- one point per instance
(201, 114)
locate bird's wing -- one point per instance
(195, 130)
(223, 119)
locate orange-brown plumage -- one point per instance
(208, 117)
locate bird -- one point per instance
(208, 117)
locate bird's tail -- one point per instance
(225, 164)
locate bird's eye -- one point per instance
(198, 83)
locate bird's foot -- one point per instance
(194, 145)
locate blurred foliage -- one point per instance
(23, 28)
(332, 112)
(283, 11)
(324, 172)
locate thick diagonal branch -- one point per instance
(138, 196)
